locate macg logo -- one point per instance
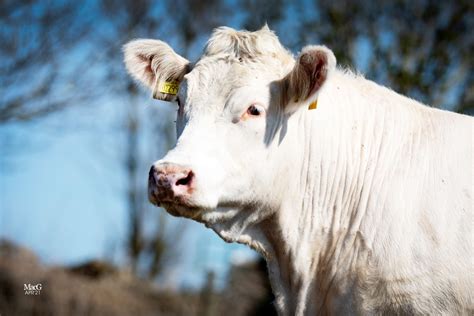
(32, 289)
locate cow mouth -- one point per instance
(177, 206)
(183, 210)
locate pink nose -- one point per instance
(169, 183)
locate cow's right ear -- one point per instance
(156, 65)
(303, 83)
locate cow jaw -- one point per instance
(239, 225)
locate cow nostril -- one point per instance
(187, 180)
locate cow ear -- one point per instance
(302, 84)
(156, 65)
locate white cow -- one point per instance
(360, 206)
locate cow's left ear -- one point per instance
(303, 83)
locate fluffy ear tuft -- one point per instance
(308, 75)
(153, 62)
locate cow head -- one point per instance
(233, 162)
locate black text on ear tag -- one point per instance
(166, 90)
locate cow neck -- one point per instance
(308, 243)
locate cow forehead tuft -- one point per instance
(246, 45)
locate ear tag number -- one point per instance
(169, 87)
(313, 105)
(166, 90)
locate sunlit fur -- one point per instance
(244, 44)
(362, 206)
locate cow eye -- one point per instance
(178, 101)
(255, 110)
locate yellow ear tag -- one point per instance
(313, 105)
(169, 87)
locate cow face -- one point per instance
(230, 163)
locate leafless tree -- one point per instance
(36, 77)
(419, 48)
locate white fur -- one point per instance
(363, 206)
(151, 62)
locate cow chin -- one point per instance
(203, 207)
(201, 214)
(183, 210)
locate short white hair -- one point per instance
(246, 45)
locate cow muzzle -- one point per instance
(170, 183)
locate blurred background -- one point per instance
(77, 137)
